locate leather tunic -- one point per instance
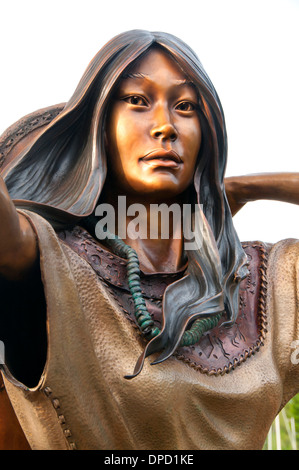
(223, 393)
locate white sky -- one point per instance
(250, 50)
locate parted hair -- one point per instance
(61, 176)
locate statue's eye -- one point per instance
(136, 100)
(185, 106)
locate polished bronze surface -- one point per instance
(239, 189)
(145, 122)
(157, 102)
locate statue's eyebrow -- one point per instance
(143, 75)
(134, 75)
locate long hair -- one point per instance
(62, 173)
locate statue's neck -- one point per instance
(152, 229)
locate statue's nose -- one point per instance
(164, 132)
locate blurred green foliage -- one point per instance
(284, 432)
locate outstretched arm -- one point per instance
(18, 246)
(18, 261)
(274, 186)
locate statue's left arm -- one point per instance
(273, 186)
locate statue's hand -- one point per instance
(18, 246)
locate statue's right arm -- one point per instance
(18, 245)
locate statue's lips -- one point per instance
(161, 157)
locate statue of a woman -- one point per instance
(204, 330)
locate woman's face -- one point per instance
(153, 133)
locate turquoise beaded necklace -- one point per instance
(143, 318)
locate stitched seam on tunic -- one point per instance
(262, 324)
(61, 419)
(261, 316)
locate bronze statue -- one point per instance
(128, 342)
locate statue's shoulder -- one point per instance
(283, 303)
